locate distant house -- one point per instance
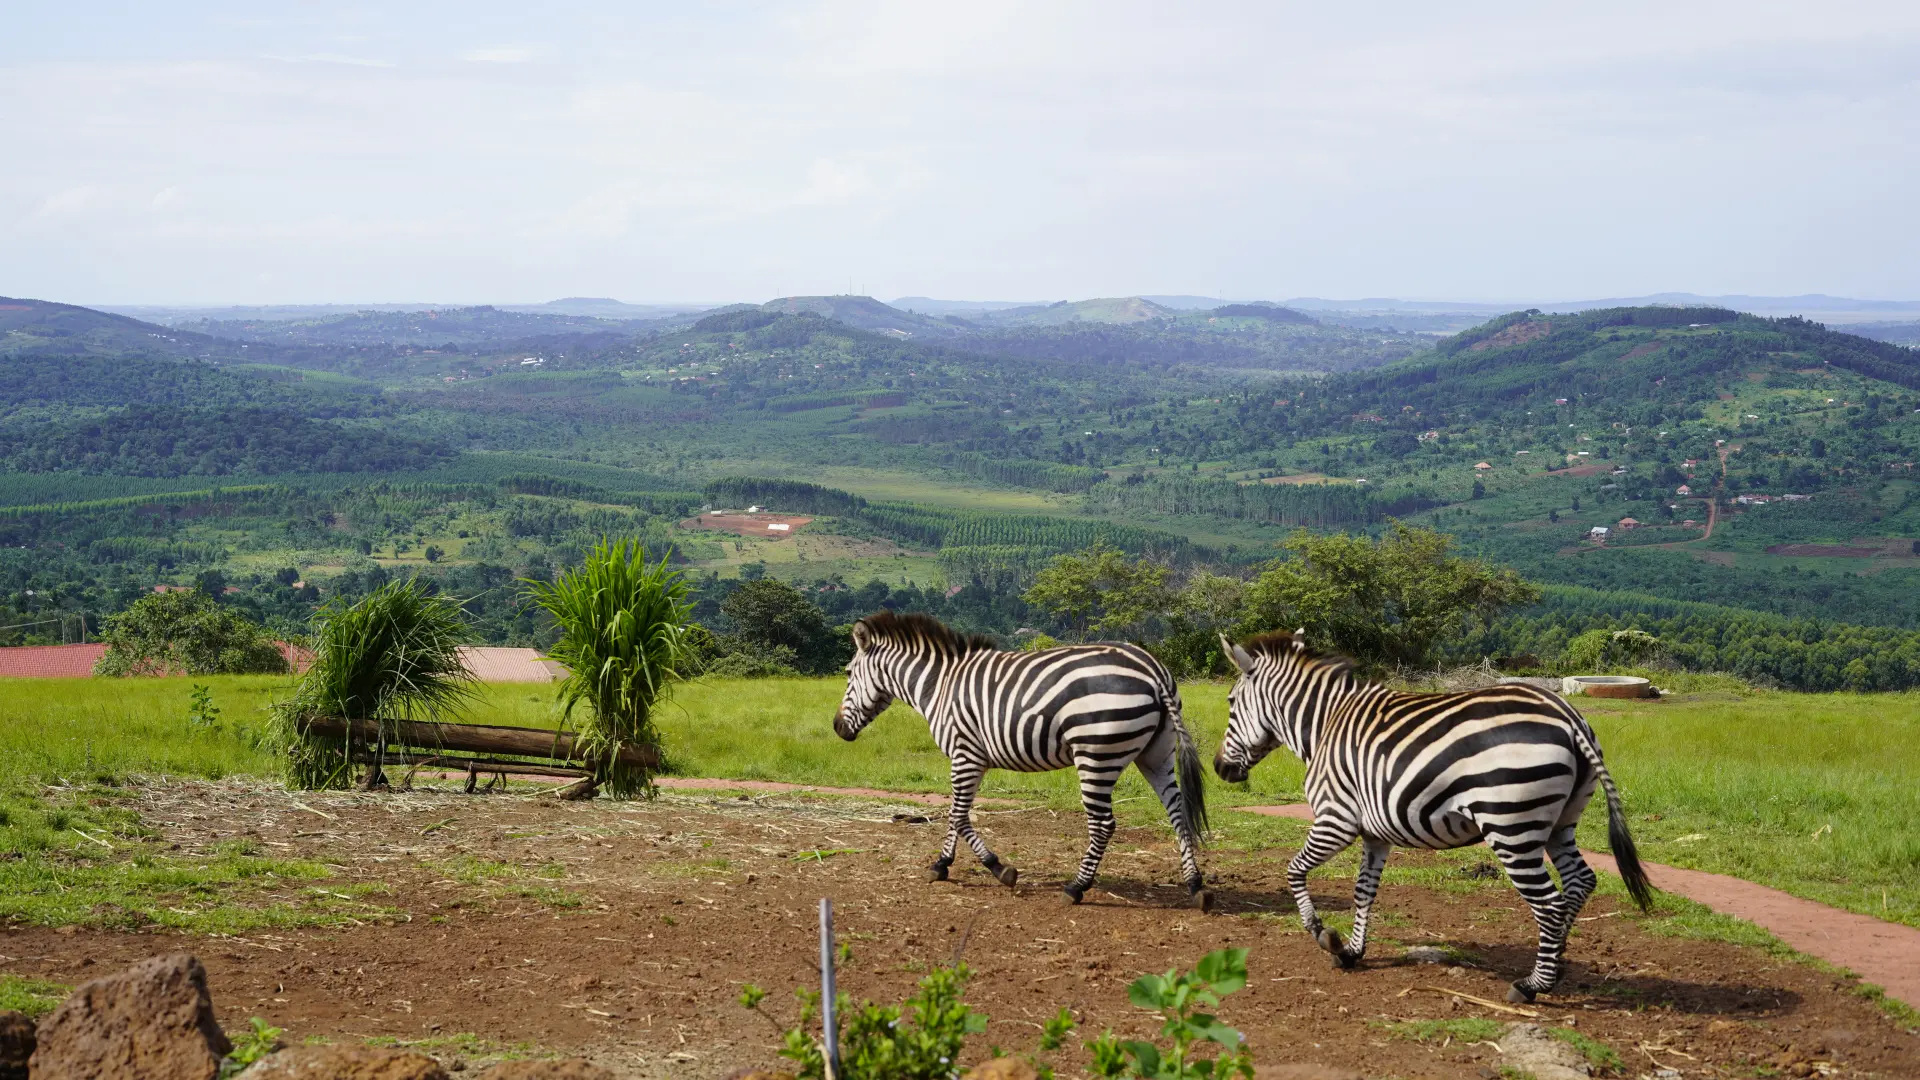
(1627, 523)
(779, 526)
(50, 661)
(1754, 500)
(1482, 467)
(1683, 489)
(1426, 436)
(1559, 401)
(1797, 498)
(1598, 532)
(487, 663)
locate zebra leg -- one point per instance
(1328, 837)
(1525, 860)
(1577, 882)
(1156, 764)
(965, 779)
(1366, 885)
(966, 783)
(1096, 795)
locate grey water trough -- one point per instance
(1606, 686)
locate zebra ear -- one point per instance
(1300, 638)
(861, 635)
(1241, 659)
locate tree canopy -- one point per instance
(186, 632)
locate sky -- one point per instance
(217, 153)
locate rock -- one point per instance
(563, 1069)
(1306, 1071)
(155, 1019)
(1004, 1069)
(345, 1063)
(1528, 1048)
(16, 1044)
(1426, 954)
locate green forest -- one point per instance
(943, 464)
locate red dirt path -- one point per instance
(1884, 953)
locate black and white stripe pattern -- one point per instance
(1513, 766)
(1094, 708)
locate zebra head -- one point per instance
(1260, 707)
(867, 695)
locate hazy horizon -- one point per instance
(210, 154)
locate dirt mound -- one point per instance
(346, 1063)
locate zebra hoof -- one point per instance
(1202, 899)
(1519, 995)
(1071, 896)
(936, 872)
(1008, 875)
(1329, 940)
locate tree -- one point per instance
(186, 632)
(778, 621)
(1386, 603)
(1102, 590)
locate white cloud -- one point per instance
(984, 149)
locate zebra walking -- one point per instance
(1094, 708)
(1513, 766)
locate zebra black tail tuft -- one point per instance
(1192, 776)
(1624, 854)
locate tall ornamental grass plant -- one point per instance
(391, 657)
(624, 640)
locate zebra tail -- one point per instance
(1190, 772)
(1625, 855)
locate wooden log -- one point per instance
(472, 764)
(472, 738)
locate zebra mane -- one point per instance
(907, 627)
(1281, 643)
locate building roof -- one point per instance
(1483, 465)
(490, 663)
(50, 661)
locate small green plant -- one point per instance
(1177, 996)
(1470, 1029)
(250, 1046)
(202, 713)
(920, 1039)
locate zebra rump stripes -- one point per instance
(1093, 708)
(1513, 766)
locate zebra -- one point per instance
(1513, 766)
(1094, 708)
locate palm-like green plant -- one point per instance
(393, 656)
(624, 639)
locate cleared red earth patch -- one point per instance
(749, 524)
(623, 933)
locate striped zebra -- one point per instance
(1513, 766)
(1094, 708)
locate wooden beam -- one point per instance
(464, 764)
(472, 738)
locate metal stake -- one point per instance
(830, 1034)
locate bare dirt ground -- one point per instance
(623, 932)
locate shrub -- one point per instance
(1177, 997)
(624, 639)
(392, 656)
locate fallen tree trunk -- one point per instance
(471, 738)
(469, 764)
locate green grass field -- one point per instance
(1815, 794)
